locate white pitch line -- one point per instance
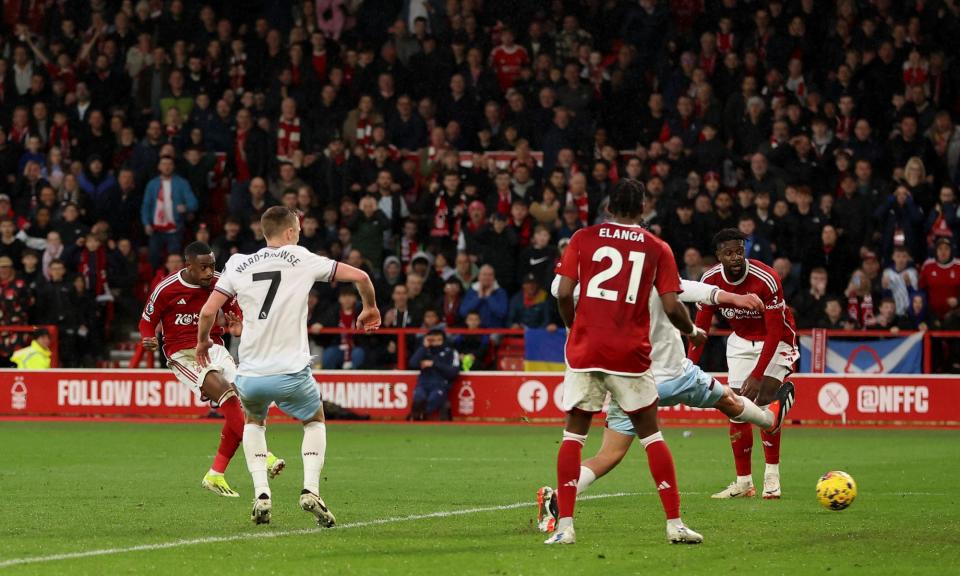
(280, 533)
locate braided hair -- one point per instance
(627, 198)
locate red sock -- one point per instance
(741, 438)
(664, 474)
(229, 442)
(568, 471)
(233, 413)
(771, 446)
(231, 436)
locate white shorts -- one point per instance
(742, 356)
(587, 390)
(184, 365)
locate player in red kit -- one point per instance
(761, 353)
(175, 306)
(616, 264)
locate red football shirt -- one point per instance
(175, 305)
(507, 64)
(773, 325)
(616, 266)
(942, 282)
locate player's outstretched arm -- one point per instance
(565, 299)
(680, 318)
(208, 315)
(369, 317)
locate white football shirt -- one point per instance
(272, 287)
(668, 357)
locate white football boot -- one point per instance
(564, 536)
(771, 486)
(736, 490)
(310, 502)
(683, 535)
(261, 510)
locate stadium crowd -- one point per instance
(451, 148)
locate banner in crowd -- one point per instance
(511, 397)
(543, 350)
(878, 356)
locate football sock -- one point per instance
(771, 447)
(255, 450)
(229, 442)
(664, 474)
(772, 469)
(568, 471)
(314, 449)
(754, 414)
(587, 476)
(232, 413)
(741, 438)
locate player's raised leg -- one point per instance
(231, 435)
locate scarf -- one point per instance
(408, 248)
(504, 199)
(49, 255)
(288, 137)
(531, 301)
(240, 156)
(94, 270)
(163, 218)
(60, 137)
(451, 307)
(445, 222)
(583, 207)
(238, 72)
(861, 311)
(347, 320)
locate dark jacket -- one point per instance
(444, 371)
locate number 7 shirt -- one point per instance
(616, 266)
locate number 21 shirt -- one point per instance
(616, 266)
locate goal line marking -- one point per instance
(281, 533)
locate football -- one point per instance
(836, 490)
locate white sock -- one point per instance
(255, 450)
(674, 523)
(745, 480)
(655, 437)
(213, 472)
(587, 476)
(313, 449)
(564, 523)
(753, 414)
(772, 469)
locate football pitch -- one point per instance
(125, 498)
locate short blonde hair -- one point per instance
(277, 219)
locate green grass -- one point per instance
(74, 487)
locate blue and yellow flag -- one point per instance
(543, 350)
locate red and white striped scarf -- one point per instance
(288, 137)
(238, 72)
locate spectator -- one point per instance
(439, 366)
(344, 351)
(833, 317)
(36, 356)
(756, 247)
(487, 298)
(531, 307)
(473, 347)
(810, 305)
(900, 280)
(940, 277)
(14, 307)
(166, 203)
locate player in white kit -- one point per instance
(679, 381)
(271, 287)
